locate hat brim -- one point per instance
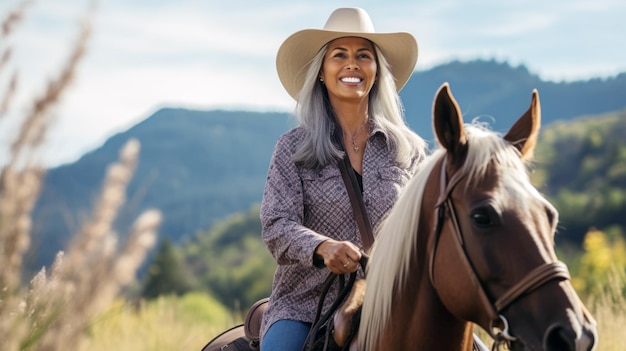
(296, 52)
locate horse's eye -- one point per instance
(481, 217)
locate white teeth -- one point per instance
(351, 80)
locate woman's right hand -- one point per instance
(340, 257)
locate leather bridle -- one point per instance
(544, 273)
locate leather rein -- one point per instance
(499, 325)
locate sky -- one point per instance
(144, 55)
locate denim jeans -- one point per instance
(285, 335)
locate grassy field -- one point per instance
(166, 323)
(189, 322)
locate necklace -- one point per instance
(355, 147)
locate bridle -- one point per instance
(544, 273)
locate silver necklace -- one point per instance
(355, 147)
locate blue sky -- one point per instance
(147, 54)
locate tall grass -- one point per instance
(166, 323)
(189, 322)
(609, 309)
(55, 310)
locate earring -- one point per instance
(321, 80)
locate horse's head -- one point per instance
(496, 231)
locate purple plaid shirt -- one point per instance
(302, 207)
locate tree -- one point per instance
(166, 274)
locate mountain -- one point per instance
(195, 166)
(498, 93)
(201, 166)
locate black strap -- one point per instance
(367, 237)
(344, 290)
(354, 192)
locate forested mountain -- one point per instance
(498, 93)
(195, 166)
(201, 166)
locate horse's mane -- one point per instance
(388, 267)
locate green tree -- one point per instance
(166, 275)
(230, 261)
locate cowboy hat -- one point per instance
(297, 51)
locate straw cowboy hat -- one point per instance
(297, 51)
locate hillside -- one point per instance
(195, 166)
(581, 166)
(499, 93)
(201, 166)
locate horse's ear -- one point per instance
(448, 120)
(523, 134)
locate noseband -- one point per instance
(544, 273)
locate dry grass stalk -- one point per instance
(21, 177)
(609, 308)
(55, 312)
(14, 17)
(33, 130)
(92, 271)
(8, 95)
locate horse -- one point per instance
(470, 241)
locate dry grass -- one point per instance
(166, 323)
(609, 309)
(55, 311)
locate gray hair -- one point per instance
(315, 115)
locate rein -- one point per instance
(320, 321)
(499, 325)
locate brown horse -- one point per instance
(472, 241)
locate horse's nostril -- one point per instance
(560, 339)
(588, 340)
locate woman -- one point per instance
(345, 79)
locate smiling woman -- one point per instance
(345, 79)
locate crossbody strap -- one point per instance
(354, 192)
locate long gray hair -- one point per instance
(315, 115)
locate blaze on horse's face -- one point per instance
(504, 239)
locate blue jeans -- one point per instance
(285, 335)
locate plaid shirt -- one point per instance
(302, 207)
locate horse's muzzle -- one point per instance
(559, 338)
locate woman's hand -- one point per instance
(340, 257)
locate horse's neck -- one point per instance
(420, 320)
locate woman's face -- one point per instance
(349, 69)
